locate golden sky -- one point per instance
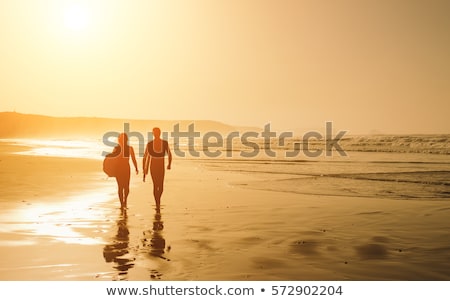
(370, 65)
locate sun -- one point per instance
(76, 17)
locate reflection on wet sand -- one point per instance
(118, 250)
(155, 243)
(154, 239)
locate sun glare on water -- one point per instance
(76, 17)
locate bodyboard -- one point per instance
(110, 165)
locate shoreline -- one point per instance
(214, 227)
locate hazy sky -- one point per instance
(365, 65)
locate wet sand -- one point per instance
(215, 224)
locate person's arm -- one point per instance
(133, 157)
(145, 162)
(170, 156)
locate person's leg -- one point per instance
(126, 188)
(155, 188)
(120, 190)
(157, 172)
(160, 186)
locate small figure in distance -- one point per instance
(155, 152)
(123, 152)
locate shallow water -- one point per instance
(387, 175)
(371, 215)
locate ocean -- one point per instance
(400, 167)
(379, 212)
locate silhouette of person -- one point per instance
(155, 152)
(123, 152)
(120, 246)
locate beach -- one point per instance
(372, 216)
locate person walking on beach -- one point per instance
(122, 153)
(154, 156)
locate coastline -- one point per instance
(216, 225)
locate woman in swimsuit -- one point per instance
(123, 152)
(154, 156)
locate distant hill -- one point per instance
(17, 125)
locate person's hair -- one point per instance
(123, 143)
